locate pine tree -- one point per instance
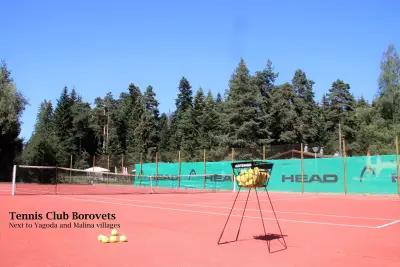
(83, 135)
(340, 109)
(341, 102)
(63, 119)
(389, 86)
(151, 103)
(219, 98)
(307, 111)
(41, 148)
(265, 79)
(283, 115)
(164, 132)
(132, 108)
(147, 133)
(12, 104)
(182, 127)
(265, 82)
(198, 114)
(185, 98)
(211, 123)
(243, 110)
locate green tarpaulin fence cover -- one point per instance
(365, 174)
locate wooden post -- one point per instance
(263, 152)
(233, 174)
(302, 168)
(108, 162)
(205, 168)
(179, 169)
(156, 165)
(340, 141)
(344, 168)
(141, 164)
(397, 164)
(108, 122)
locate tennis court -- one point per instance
(175, 229)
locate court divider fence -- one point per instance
(370, 174)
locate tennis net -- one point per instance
(42, 180)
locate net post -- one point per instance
(179, 169)
(397, 164)
(14, 176)
(344, 167)
(302, 168)
(205, 168)
(94, 161)
(233, 174)
(108, 162)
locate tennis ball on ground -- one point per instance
(114, 232)
(123, 238)
(105, 239)
(113, 239)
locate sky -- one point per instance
(101, 46)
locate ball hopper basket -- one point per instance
(253, 175)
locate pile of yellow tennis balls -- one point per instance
(115, 237)
(252, 177)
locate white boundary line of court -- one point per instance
(240, 209)
(214, 213)
(252, 201)
(387, 224)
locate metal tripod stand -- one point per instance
(259, 207)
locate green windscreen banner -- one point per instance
(365, 174)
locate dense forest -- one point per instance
(253, 112)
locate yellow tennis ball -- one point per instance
(123, 238)
(114, 232)
(105, 239)
(113, 239)
(100, 237)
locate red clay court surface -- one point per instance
(183, 229)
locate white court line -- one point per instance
(365, 197)
(254, 201)
(230, 195)
(387, 224)
(216, 213)
(304, 213)
(240, 209)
